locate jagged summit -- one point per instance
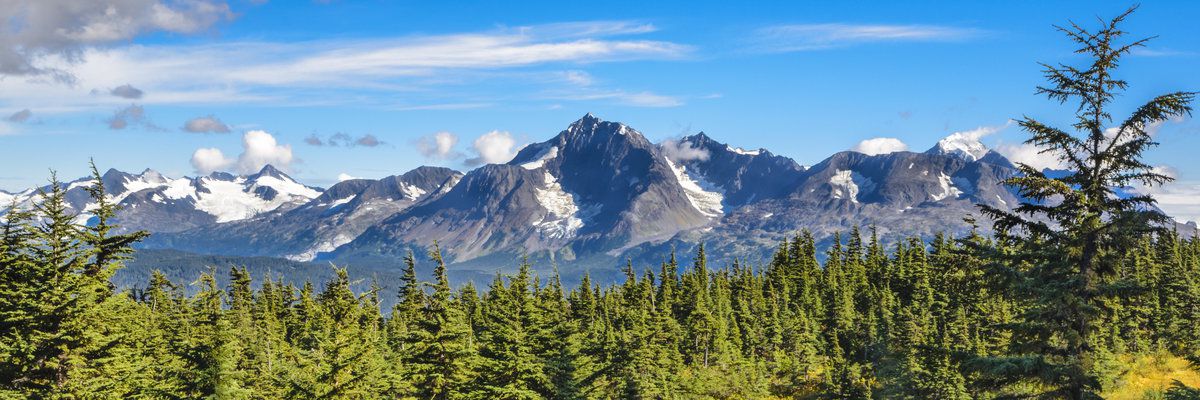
(221, 176)
(587, 120)
(271, 171)
(589, 139)
(703, 140)
(590, 125)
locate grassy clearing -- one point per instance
(1148, 376)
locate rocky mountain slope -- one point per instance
(593, 195)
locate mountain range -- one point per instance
(596, 194)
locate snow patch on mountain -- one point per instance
(341, 201)
(412, 191)
(18, 198)
(286, 187)
(84, 183)
(561, 220)
(849, 184)
(964, 184)
(323, 247)
(227, 201)
(179, 188)
(704, 196)
(742, 151)
(82, 219)
(540, 160)
(948, 190)
(233, 200)
(149, 179)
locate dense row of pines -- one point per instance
(1070, 283)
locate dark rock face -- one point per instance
(743, 176)
(595, 187)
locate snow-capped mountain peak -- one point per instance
(965, 145)
(280, 183)
(150, 200)
(6, 199)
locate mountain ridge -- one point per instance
(596, 193)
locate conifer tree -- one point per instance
(1072, 230)
(441, 361)
(212, 353)
(510, 367)
(343, 360)
(108, 248)
(558, 343)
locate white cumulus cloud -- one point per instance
(438, 146)
(1176, 198)
(209, 159)
(974, 135)
(259, 149)
(880, 145)
(342, 177)
(494, 147)
(679, 151)
(1031, 155)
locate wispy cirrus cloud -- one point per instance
(1161, 52)
(810, 37)
(443, 106)
(339, 71)
(635, 99)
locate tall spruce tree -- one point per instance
(1072, 230)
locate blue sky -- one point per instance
(386, 80)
